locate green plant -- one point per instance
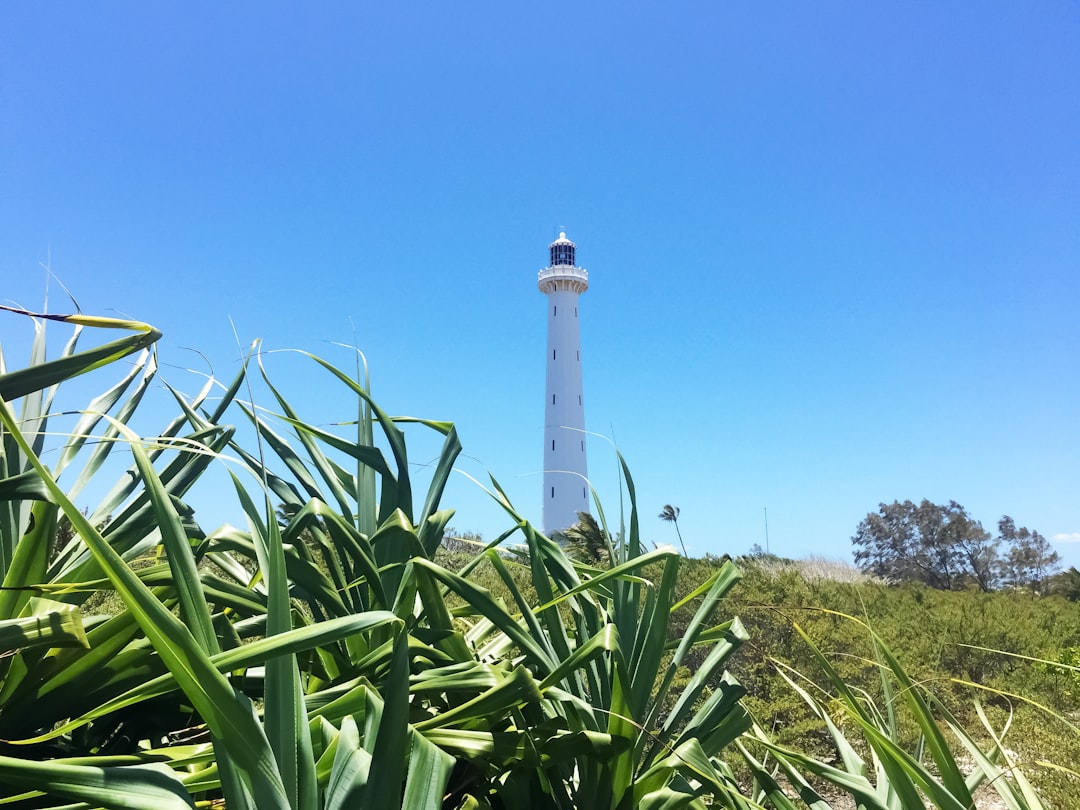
(319, 656)
(888, 774)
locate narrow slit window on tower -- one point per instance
(553, 351)
(575, 312)
(552, 399)
(578, 355)
(579, 399)
(552, 444)
(553, 492)
(582, 445)
(583, 495)
(554, 311)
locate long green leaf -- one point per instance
(146, 366)
(351, 770)
(429, 771)
(137, 787)
(389, 740)
(397, 492)
(39, 376)
(249, 655)
(24, 486)
(285, 721)
(44, 623)
(29, 561)
(193, 607)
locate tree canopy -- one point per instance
(944, 547)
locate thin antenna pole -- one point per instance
(766, 529)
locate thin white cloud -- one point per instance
(1071, 537)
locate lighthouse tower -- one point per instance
(566, 489)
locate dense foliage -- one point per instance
(966, 644)
(331, 652)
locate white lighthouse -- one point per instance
(566, 488)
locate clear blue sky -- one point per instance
(833, 247)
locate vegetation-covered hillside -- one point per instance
(964, 645)
(325, 649)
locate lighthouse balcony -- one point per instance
(563, 277)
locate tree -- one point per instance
(1031, 559)
(978, 551)
(586, 541)
(671, 514)
(1067, 583)
(941, 546)
(944, 547)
